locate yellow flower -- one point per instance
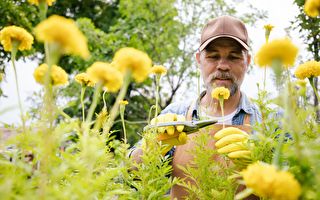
(84, 79)
(268, 27)
(110, 77)
(308, 69)
(58, 75)
(130, 59)
(64, 32)
(267, 182)
(278, 49)
(36, 2)
(15, 33)
(220, 92)
(312, 8)
(158, 70)
(123, 102)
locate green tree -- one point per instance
(309, 30)
(21, 13)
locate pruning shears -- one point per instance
(188, 126)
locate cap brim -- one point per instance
(205, 44)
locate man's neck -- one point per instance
(213, 105)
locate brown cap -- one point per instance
(224, 26)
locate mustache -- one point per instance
(222, 75)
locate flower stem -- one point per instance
(47, 53)
(222, 110)
(157, 93)
(13, 58)
(122, 108)
(104, 99)
(198, 77)
(52, 54)
(65, 115)
(115, 107)
(278, 151)
(43, 9)
(95, 100)
(149, 116)
(264, 78)
(314, 88)
(83, 90)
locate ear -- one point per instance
(198, 57)
(248, 59)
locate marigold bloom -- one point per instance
(110, 77)
(312, 8)
(14, 33)
(63, 31)
(123, 102)
(84, 79)
(268, 27)
(36, 2)
(308, 69)
(133, 60)
(58, 75)
(220, 92)
(278, 49)
(268, 182)
(158, 70)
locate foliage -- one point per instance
(69, 158)
(152, 183)
(309, 30)
(210, 177)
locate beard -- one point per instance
(218, 75)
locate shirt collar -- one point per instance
(245, 104)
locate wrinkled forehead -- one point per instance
(227, 43)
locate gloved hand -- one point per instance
(170, 135)
(233, 142)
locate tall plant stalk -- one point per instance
(13, 58)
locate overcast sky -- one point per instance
(281, 12)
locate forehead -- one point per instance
(226, 43)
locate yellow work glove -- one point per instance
(234, 143)
(170, 135)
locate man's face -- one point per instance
(223, 63)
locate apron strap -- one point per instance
(190, 110)
(246, 120)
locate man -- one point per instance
(223, 58)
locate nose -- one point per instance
(223, 65)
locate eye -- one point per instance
(234, 57)
(215, 57)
